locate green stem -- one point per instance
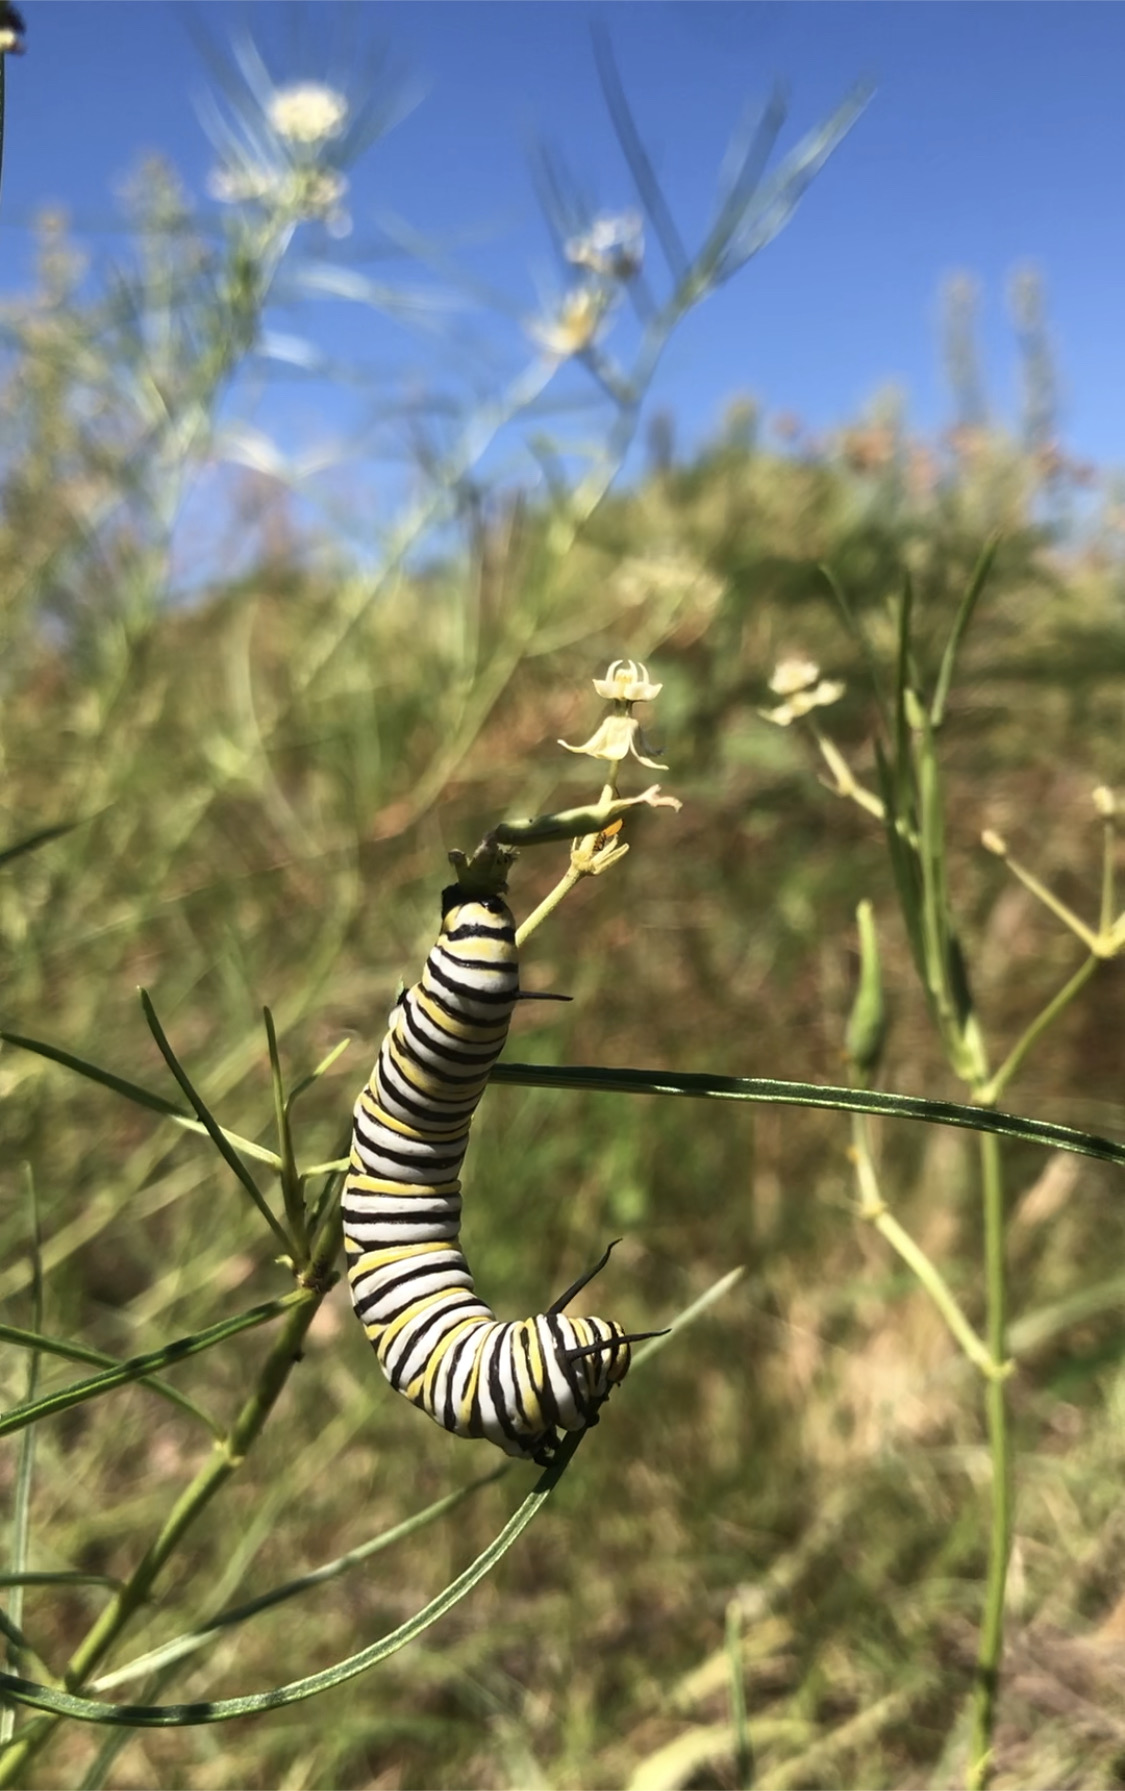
(225, 1459)
(873, 1209)
(549, 903)
(999, 1442)
(1067, 915)
(995, 1086)
(1109, 894)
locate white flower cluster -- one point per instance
(798, 680)
(613, 247)
(289, 173)
(619, 736)
(307, 112)
(612, 252)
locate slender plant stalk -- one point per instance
(999, 1442)
(875, 1211)
(995, 1086)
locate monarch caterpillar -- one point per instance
(437, 1342)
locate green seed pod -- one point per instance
(867, 1023)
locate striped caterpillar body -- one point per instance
(438, 1343)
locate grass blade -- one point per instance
(172, 1716)
(689, 1315)
(858, 634)
(291, 1189)
(132, 1091)
(211, 1124)
(960, 624)
(636, 155)
(45, 834)
(904, 865)
(766, 217)
(96, 1358)
(139, 1367)
(324, 1065)
(192, 1641)
(21, 1515)
(168, 1716)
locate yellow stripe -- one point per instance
(373, 1110)
(391, 1258)
(390, 1332)
(371, 1184)
(426, 1379)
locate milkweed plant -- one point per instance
(121, 408)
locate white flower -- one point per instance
(627, 683)
(576, 324)
(613, 247)
(798, 679)
(317, 193)
(618, 738)
(235, 186)
(307, 112)
(792, 674)
(300, 192)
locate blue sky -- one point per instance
(996, 137)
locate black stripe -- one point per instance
(488, 998)
(416, 1029)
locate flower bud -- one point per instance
(867, 1023)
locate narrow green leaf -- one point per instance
(291, 1189)
(717, 1291)
(96, 1358)
(961, 622)
(173, 1716)
(62, 1578)
(772, 207)
(747, 155)
(324, 1065)
(859, 635)
(1035, 1329)
(21, 1515)
(904, 866)
(744, 1758)
(133, 1091)
(211, 1124)
(141, 1097)
(45, 834)
(636, 155)
(334, 1174)
(766, 1090)
(193, 1640)
(139, 1367)
(905, 797)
